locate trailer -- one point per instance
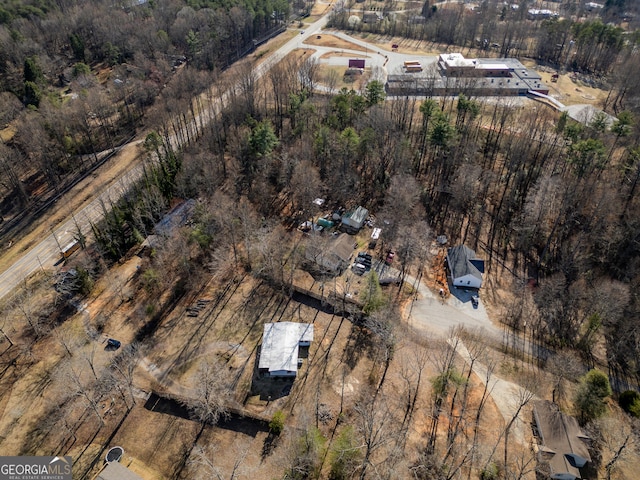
(323, 222)
(70, 249)
(375, 235)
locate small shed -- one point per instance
(563, 444)
(281, 344)
(465, 268)
(354, 220)
(356, 63)
(176, 217)
(371, 17)
(117, 471)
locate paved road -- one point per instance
(47, 253)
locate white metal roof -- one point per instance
(492, 66)
(456, 60)
(280, 344)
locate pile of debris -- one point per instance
(439, 272)
(194, 310)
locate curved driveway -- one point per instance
(429, 314)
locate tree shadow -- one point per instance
(359, 343)
(270, 443)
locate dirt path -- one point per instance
(505, 394)
(161, 375)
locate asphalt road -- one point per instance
(47, 252)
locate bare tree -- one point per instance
(566, 367)
(442, 356)
(616, 442)
(212, 393)
(203, 465)
(305, 185)
(520, 400)
(412, 371)
(305, 453)
(376, 424)
(309, 74)
(3, 327)
(123, 368)
(79, 387)
(380, 324)
(25, 303)
(331, 80)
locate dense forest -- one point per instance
(76, 78)
(551, 204)
(545, 197)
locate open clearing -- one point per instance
(328, 40)
(157, 433)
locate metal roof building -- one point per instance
(472, 77)
(280, 347)
(355, 220)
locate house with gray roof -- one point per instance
(465, 268)
(331, 254)
(563, 445)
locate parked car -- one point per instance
(390, 256)
(359, 269)
(113, 344)
(475, 300)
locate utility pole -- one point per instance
(56, 239)
(39, 262)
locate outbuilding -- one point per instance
(117, 471)
(354, 220)
(281, 342)
(465, 268)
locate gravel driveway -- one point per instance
(429, 313)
